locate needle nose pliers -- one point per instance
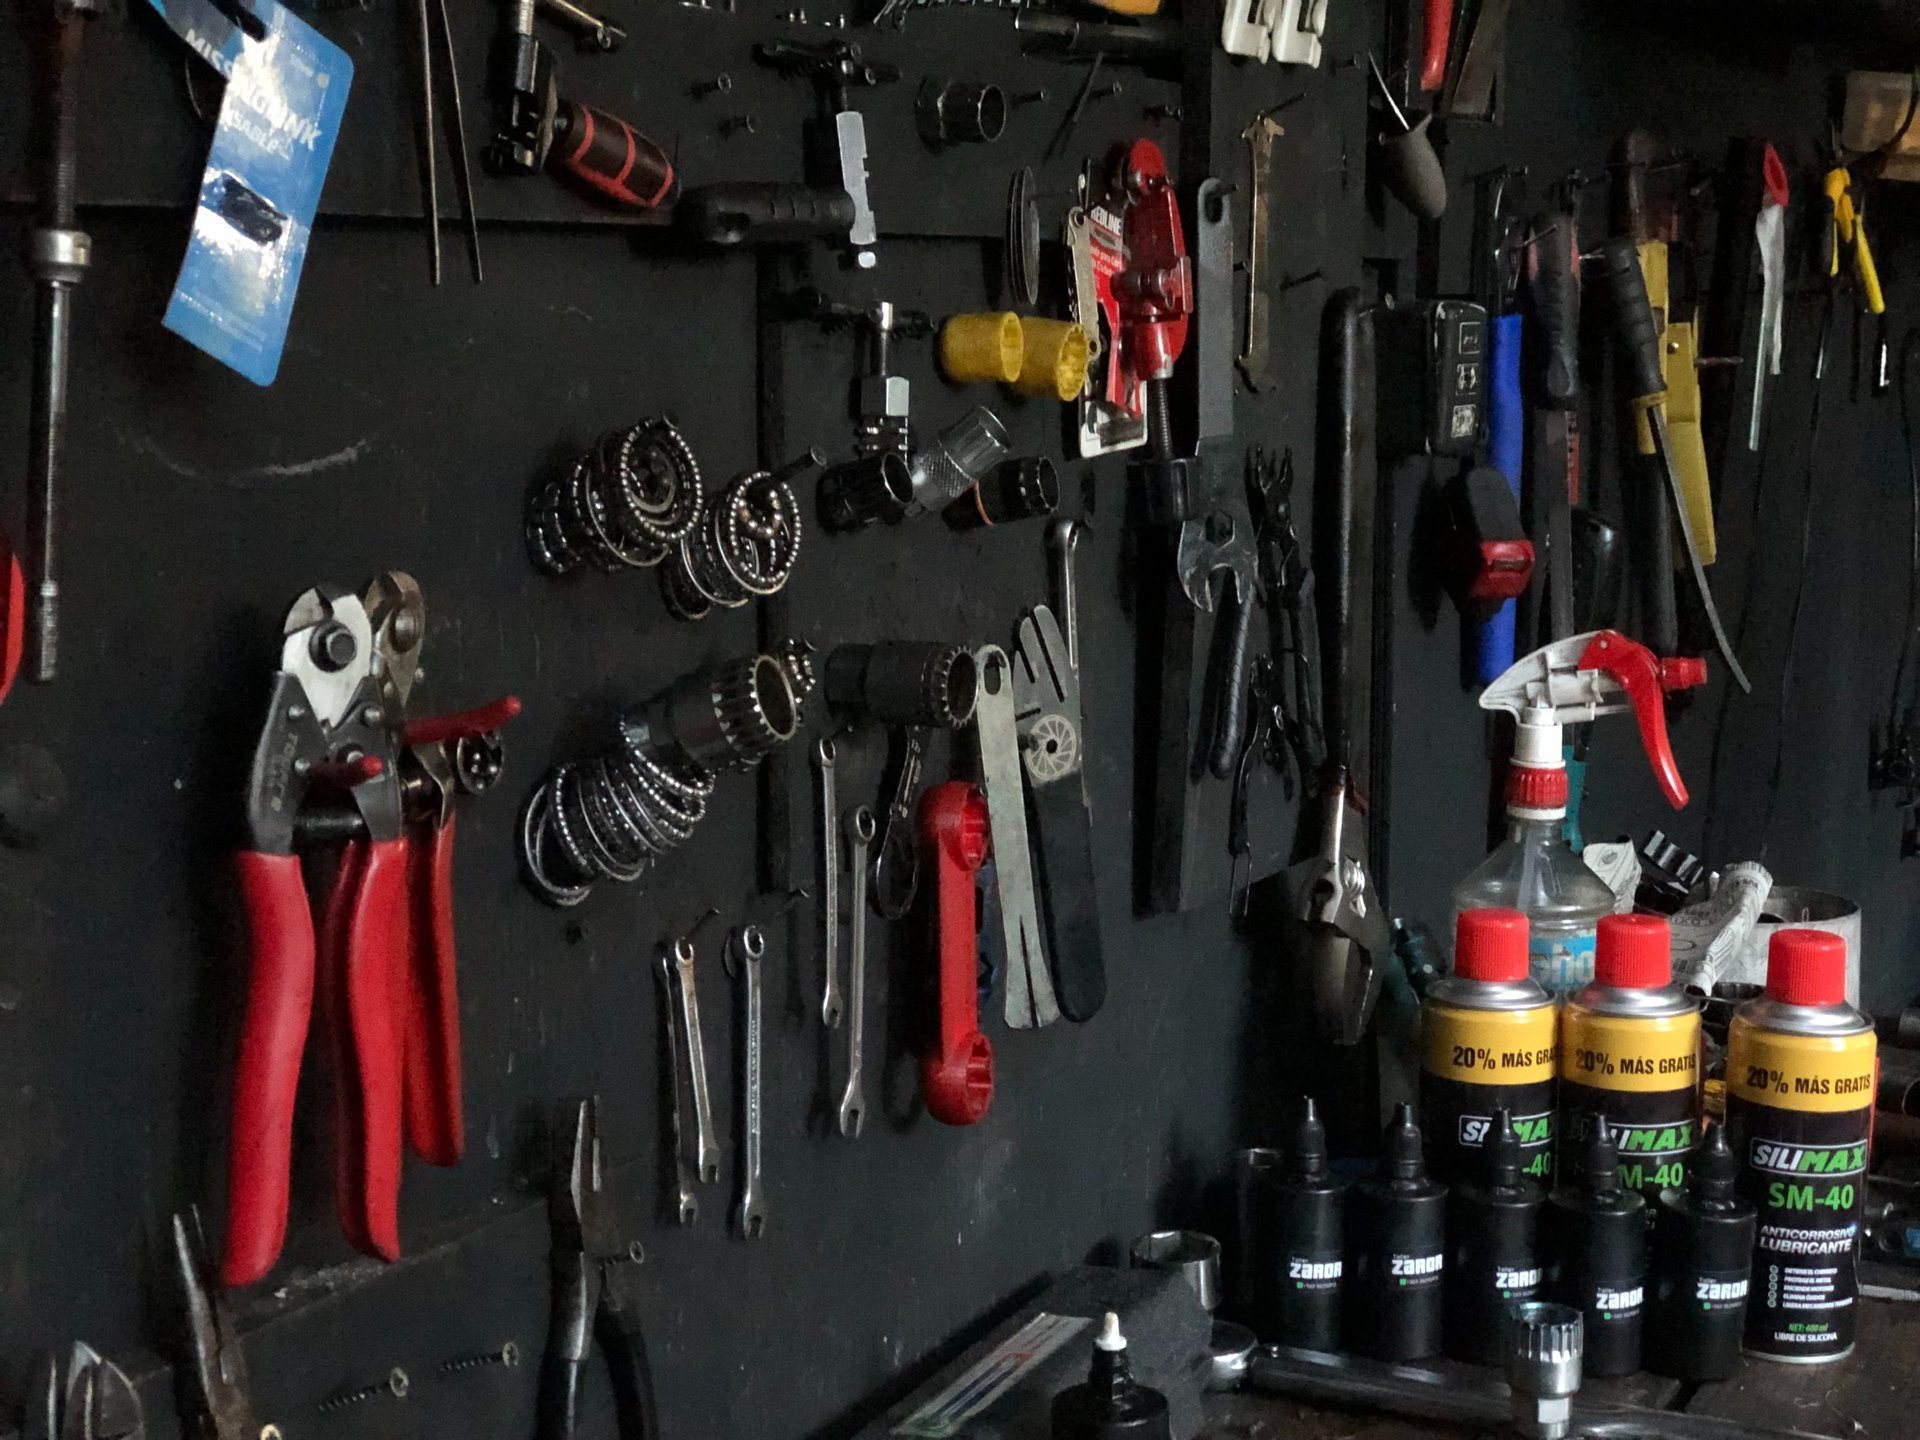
(339, 760)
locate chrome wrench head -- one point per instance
(861, 828)
(747, 946)
(831, 1006)
(1063, 536)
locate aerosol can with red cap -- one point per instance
(1534, 870)
(1800, 1085)
(1630, 1058)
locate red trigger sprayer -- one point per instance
(1534, 870)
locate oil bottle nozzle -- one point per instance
(1714, 1170)
(1600, 1164)
(1402, 1157)
(1503, 1151)
(1310, 1144)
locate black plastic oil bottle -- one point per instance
(1630, 1057)
(1292, 1254)
(1396, 1252)
(1702, 1257)
(1800, 1083)
(1493, 1249)
(1596, 1248)
(1110, 1404)
(1488, 1039)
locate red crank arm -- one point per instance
(956, 1077)
(363, 967)
(272, 1037)
(435, 1124)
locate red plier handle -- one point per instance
(1439, 39)
(272, 1037)
(363, 990)
(436, 1127)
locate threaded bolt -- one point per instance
(720, 84)
(396, 1384)
(508, 1355)
(737, 123)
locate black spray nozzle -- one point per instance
(1502, 1156)
(1309, 1144)
(1402, 1158)
(1600, 1164)
(1714, 1168)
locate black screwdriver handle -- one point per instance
(755, 212)
(1629, 313)
(1553, 286)
(609, 156)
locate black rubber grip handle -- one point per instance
(772, 212)
(610, 157)
(1553, 287)
(1063, 848)
(1230, 709)
(1629, 314)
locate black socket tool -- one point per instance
(1291, 1241)
(1702, 1256)
(1396, 1252)
(1596, 1246)
(1493, 1256)
(1019, 489)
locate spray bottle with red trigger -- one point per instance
(1534, 870)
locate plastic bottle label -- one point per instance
(1563, 961)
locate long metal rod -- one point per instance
(457, 142)
(58, 256)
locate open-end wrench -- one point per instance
(708, 1150)
(830, 1006)
(1254, 348)
(1063, 536)
(688, 1207)
(744, 949)
(853, 1103)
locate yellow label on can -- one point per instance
(1489, 1047)
(1641, 1054)
(1825, 1074)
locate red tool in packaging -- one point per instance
(338, 762)
(956, 1074)
(1155, 290)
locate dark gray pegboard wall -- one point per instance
(404, 429)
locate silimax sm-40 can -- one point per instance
(1800, 1078)
(1488, 1034)
(1630, 1057)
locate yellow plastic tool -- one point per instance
(1054, 362)
(1680, 370)
(1849, 231)
(976, 348)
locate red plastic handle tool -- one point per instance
(461, 725)
(1433, 65)
(272, 1036)
(436, 1127)
(957, 1077)
(1647, 678)
(13, 617)
(605, 153)
(363, 984)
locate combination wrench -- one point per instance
(745, 947)
(707, 1163)
(853, 1103)
(830, 1004)
(688, 1206)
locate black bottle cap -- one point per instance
(1310, 1144)
(1402, 1157)
(1600, 1164)
(1502, 1152)
(1714, 1169)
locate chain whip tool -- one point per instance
(687, 1206)
(853, 1102)
(830, 1003)
(744, 544)
(745, 949)
(1030, 999)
